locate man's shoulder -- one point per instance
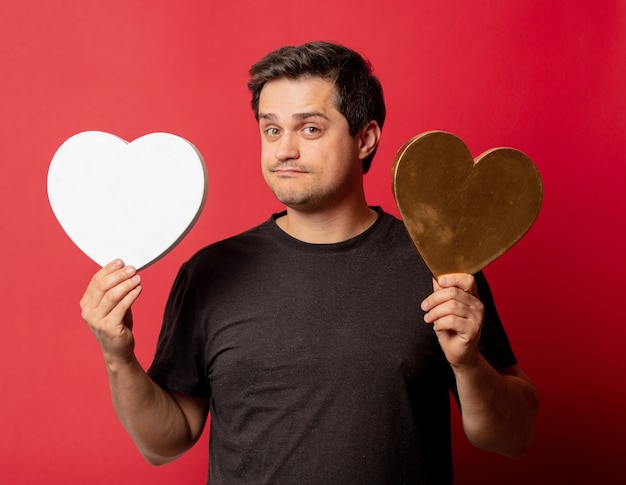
(246, 241)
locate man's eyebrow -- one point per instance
(311, 114)
(298, 116)
(267, 116)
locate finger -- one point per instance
(110, 268)
(106, 279)
(121, 312)
(452, 307)
(119, 315)
(451, 324)
(106, 290)
(119, 293)
(97, 286)
(444, 295)
(466, 329)
(463, 281)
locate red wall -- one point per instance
(548, 78)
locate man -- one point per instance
(315, 340)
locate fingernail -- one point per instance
(443, 281)
(130, 269)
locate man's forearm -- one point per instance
(498, 409)
(151, 416)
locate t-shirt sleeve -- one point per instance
(494, 343)
(179, 362)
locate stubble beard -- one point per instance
(303, 200)
(302, 197)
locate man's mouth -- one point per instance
(287, 169)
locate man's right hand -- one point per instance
(163, 424)
(106, 309)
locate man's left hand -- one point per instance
(457, 315)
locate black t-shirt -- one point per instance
(316, 359)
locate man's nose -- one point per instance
(287, 147)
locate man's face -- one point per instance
(309, 159)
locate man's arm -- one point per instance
(162, 424)
(498, 407)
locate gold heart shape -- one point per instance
(460, 213)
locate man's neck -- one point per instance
(329, 226)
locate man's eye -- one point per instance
(272, 131)
(311, 130)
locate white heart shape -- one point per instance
(133, 201)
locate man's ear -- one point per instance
(368, 137)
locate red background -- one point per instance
(548, 78)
